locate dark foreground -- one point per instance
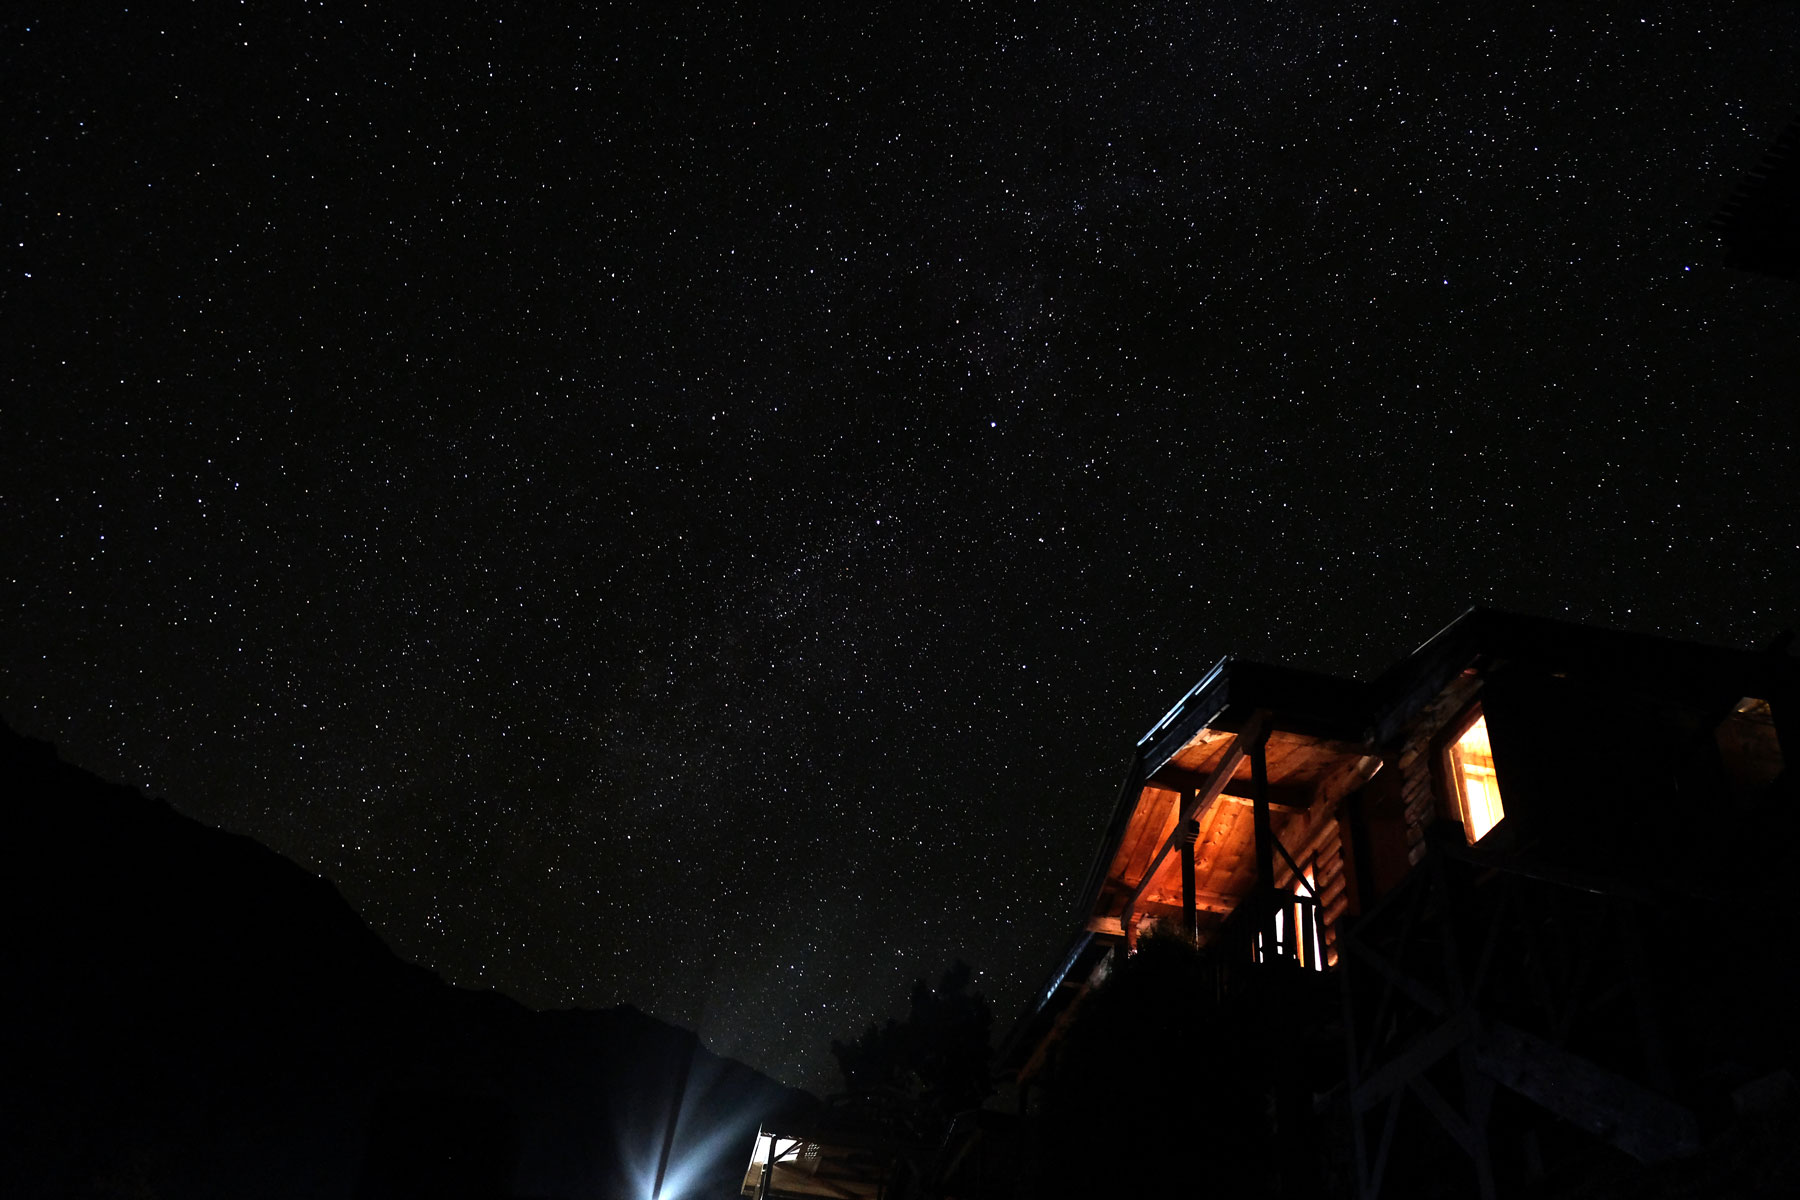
(186, 1013)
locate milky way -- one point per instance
(694, 510)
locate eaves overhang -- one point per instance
(1225, 699)
(1707, 676)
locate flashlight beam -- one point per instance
(668, 1145)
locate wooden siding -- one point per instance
(1413, 755)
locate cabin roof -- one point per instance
(1640, 662)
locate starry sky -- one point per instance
(692, 505)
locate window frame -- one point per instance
(1447, 773)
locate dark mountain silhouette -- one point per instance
(184, 1012)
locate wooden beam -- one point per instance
(1265, 841)
(1416, 991)
(1288, 798)
(1190, 923)
(1648, 1126)
(1448, 1117)
(1207, 902)
(1280, 806)
(1216, 903)
(1415, 1060)
(1197, 803)
(1372, 1185)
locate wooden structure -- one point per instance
(812, 1160)
(1517, 858)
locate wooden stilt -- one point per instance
(1190, 916)
(1265, 842)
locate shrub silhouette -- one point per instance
(932, 1065)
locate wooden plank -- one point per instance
(1198, 802)
(1283, 798)
(1217, 826)
(1322, 832)
(1189, 913)
(1290, 806)
(1419, 1057)
(1208, 902)
(1158, 831)
(1448, 1117)
(1265, 843)
(1648, 1126)
(1149, 826)
(1415, 991)
(1372, 1185)
(1131, 844)
(1165, 885)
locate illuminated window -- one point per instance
(1471, 763)
(1299, 933)
(1308, 944)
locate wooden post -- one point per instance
(1307, 912)
(1365, 1187)
(1265, 842)
(1478, 1087)
(1190, 915)
(1197, 803)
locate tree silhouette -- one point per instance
(930, 1066)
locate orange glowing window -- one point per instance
(1472, 776)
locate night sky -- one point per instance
(693, 506)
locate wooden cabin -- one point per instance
(1513, 872)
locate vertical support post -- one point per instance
(1265, 842)
(768, 1171)
(1478, 1089)
(1315, 929)
(1365, 1188)
(1643, 1003)
(1306, 912)
(1190, 913)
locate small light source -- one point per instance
(1472, 775)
